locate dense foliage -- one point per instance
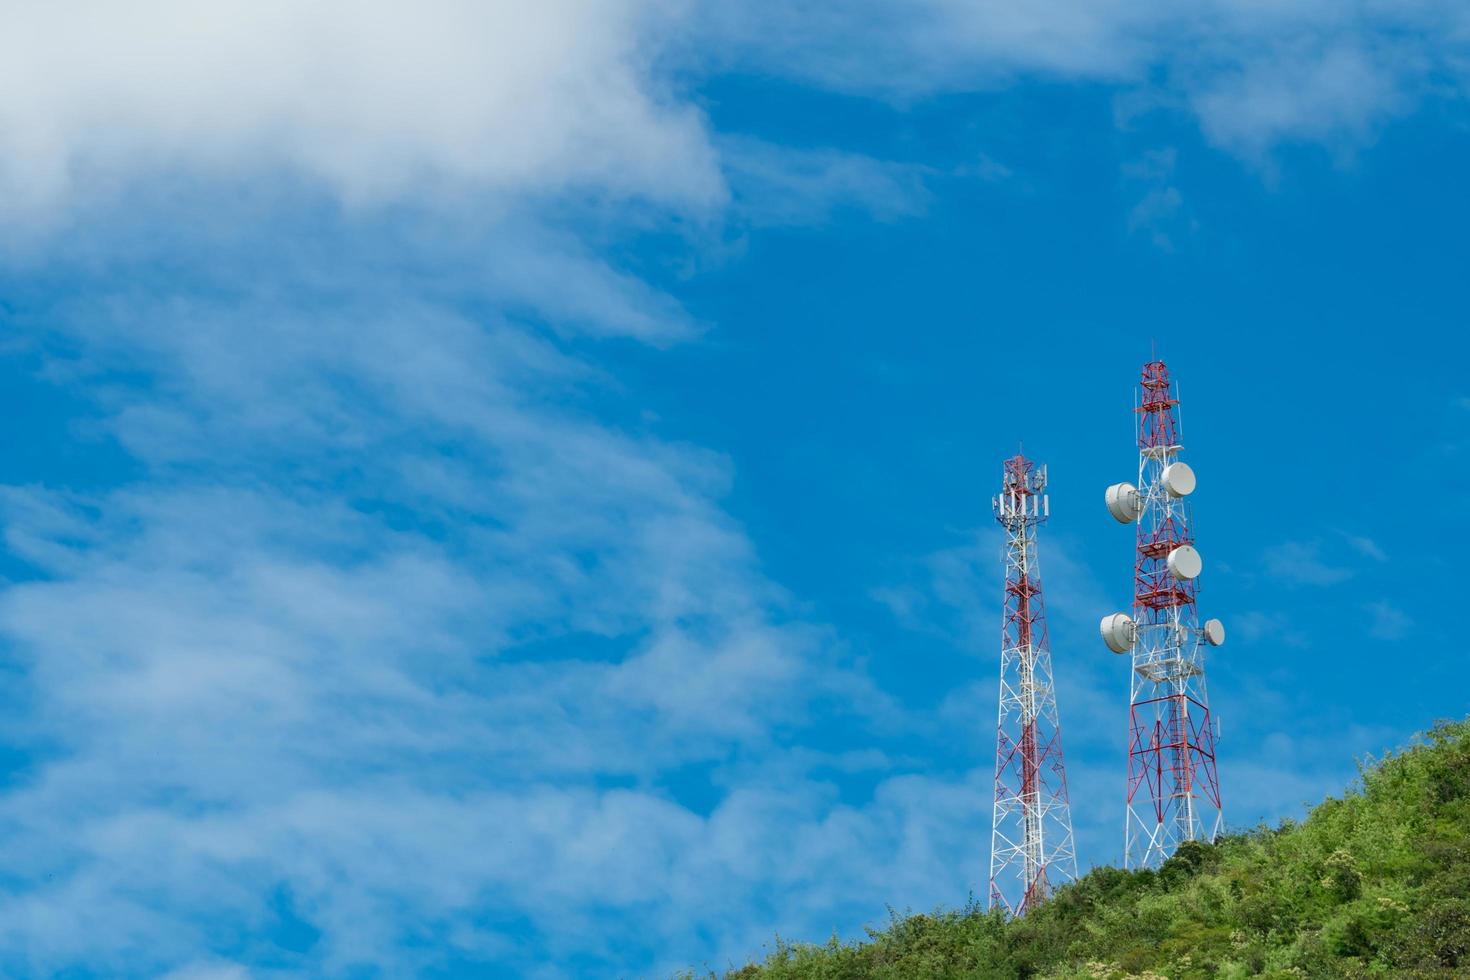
(1374, 884)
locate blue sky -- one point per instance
(491, 493)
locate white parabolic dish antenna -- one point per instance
(1178, 479)
(1214, 632)
(1118, 632)
(1123, 503)
(1185, 563)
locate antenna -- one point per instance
(1173, 788)
(1031, 847)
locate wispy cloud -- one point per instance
(1154, 212)
(1365, 546)
(776, 185)
(956, 591)
(1388, 622)
(335, 640)
(1301, 563)
(955, 595)
(1255, 77)
(1268, 628)
(1160, 212)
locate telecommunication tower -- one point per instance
(1031, 848)
(1173, 791)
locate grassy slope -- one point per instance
(1374, 884)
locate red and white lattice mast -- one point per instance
(1031, 839)
(1173, 790)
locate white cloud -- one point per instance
(375, 99)
(1333, 89)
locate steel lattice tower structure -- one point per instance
(1031, 848)
(1173, 789)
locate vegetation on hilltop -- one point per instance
(1374, 884)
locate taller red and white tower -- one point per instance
(1173, 791)
(1031, 849)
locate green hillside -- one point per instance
(1374, 884)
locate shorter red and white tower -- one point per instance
(1031, 849)
(1173, 788)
